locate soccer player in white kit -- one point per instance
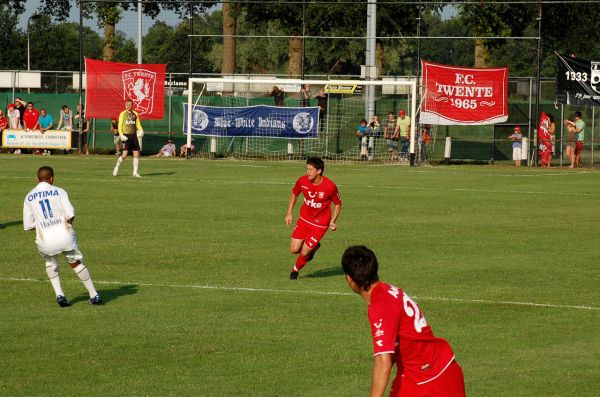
(47, 209)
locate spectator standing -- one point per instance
(374, 131)
(114, 128)
(571, 144)
(21, 105)
(516, 137)
(83, 128)
(362, 135)
(14, 117)
(579, 135)
(425, 364)
(305, 95)
(322, 99)
(278, 96)
(169, 150)
(389, 133)
(578, 127)
(403, 131)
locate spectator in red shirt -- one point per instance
(425, 364)
(31, 117)
(3, 121)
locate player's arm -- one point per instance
(138, 124)
(336, 212)
(288, 214)
(382, 367)
(28, 219)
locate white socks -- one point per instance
(84, 275)
(136, 162)
(52, 270)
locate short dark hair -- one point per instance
(317, 163)
(45, 173)
(360, 263)
(578, 114)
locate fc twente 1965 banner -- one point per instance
(577, 81)
(254, 121)
(110, 84)
(455, 95)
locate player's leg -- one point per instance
(449, 384)
(75, 259)
(136, 163)
(312, 238)
(53, 276)
(122, 157)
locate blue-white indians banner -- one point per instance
(254, 121)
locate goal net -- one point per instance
(290, 118)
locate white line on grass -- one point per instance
(313, 292)
(249, 182)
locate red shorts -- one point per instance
(310, 234)
(579, 147)
(450, 383)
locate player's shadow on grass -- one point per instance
(159, 173)
(110, 294)
(9, 224)
(329, 272)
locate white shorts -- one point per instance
(516, 153)
(66, 246)
(167, 154)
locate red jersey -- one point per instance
(30, 118)
(3, 123)
(398, 327)
(316, 209)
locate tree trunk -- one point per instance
(379, 59)
(108, 51)
(295, 56)
(229, 43)
(480, 54)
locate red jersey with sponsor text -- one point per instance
(316, 209)
(398, 327)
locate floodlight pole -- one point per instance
(303, 34)
(538, 84)
(79, 143)
(411, 156)
(139, 31)
(370, 56)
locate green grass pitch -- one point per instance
(193, 262)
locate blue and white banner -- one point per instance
(254, 121)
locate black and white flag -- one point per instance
(577, 81)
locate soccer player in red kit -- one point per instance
(425, 364)
(315, 214)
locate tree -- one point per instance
(15, 39)
(230, 14)
(489, 19)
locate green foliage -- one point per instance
(14, 39)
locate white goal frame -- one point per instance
(410, 82)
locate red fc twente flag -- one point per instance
(455, 95)
(110, 84)
(545, 139)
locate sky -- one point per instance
(128, 23)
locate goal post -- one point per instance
(318, 117)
